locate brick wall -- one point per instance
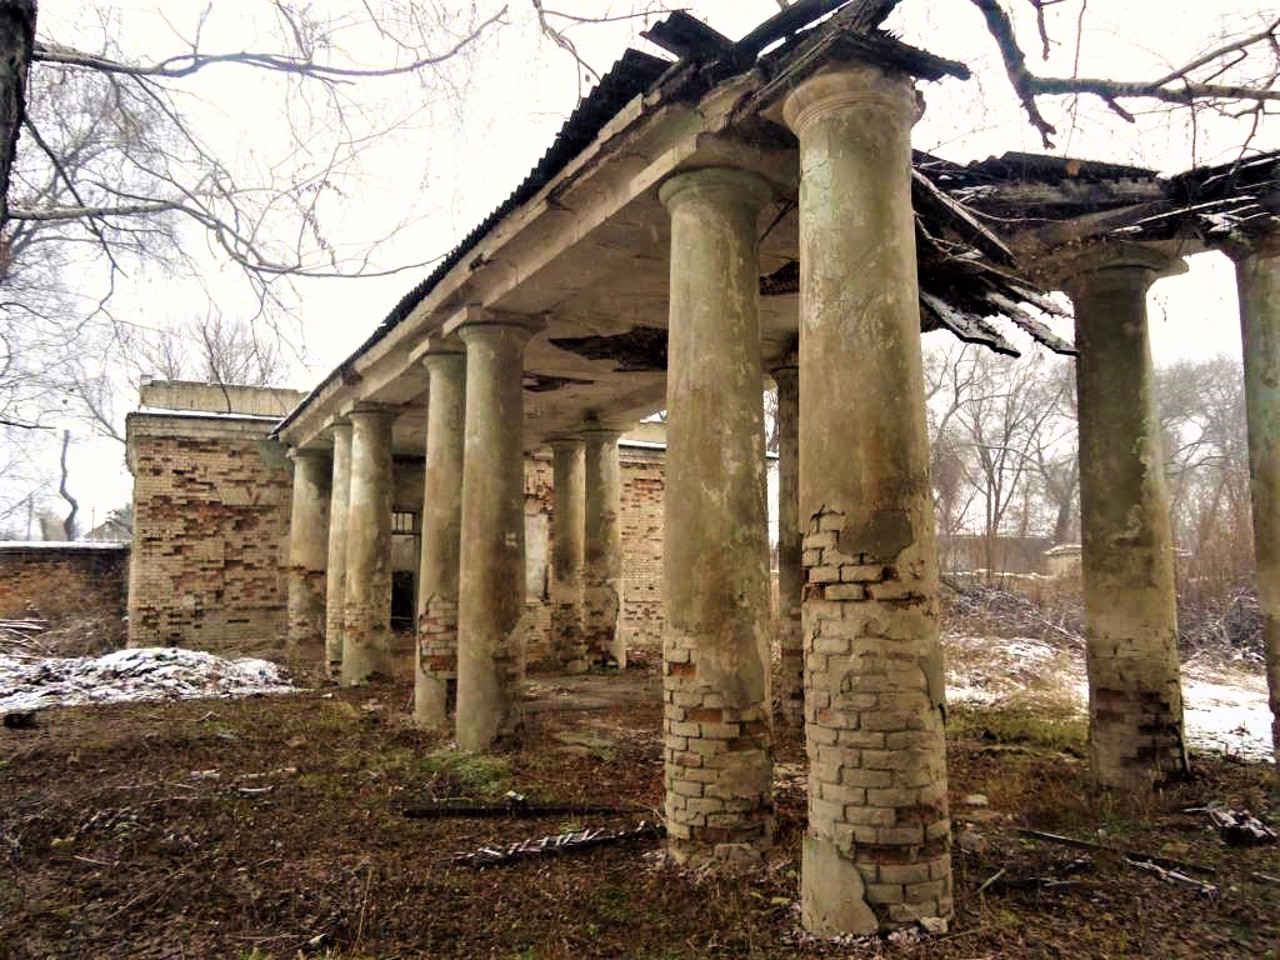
(212, 497)
(211, 524)
(642, 488)
(64, 582)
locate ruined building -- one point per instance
(737, 211)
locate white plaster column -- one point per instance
(568, 520)
(602, 551)
(366, 649)
(717, 726)
(308, 554)
(878, 848)
(492, 576)
(1258, 280)
(336, 578)
(436, 673)
(790, 569)
(1131, 621)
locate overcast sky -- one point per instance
(464, 144)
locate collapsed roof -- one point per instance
(597, 271)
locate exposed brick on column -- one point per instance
(492, 618)
(874, 730)
(790, 685)
(878, 848)
(602, 552)
(1131, 627)
(366, 650)
(717, 736)
(1258, 282)
(336, 572)
(436, 674)
(308, 556)
(568, 641)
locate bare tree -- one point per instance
(997, 424)
(1207, 464)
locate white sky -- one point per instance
(460, 151)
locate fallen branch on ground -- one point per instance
(496, 811)
(1133, 856)
(1172, 876)
(1239, 828)
(575, 841)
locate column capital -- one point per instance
(300, 453)
(565, 441)
(850, 88)
(725, 183)
(1264, 245)
(436, 346)
(603, 429)
(336, 427)
(788, 365)
(476, 322)
(1114, 265)
(364, 409)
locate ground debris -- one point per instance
(1239, 828)
(1132, 857)
(575, 841)
(514, 806)
(138, 674)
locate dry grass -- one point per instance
(145, 831)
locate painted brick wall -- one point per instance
(211, 516)
(62, 583)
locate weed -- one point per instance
(1063, 732)
(458, 773)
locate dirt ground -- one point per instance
(275, 828)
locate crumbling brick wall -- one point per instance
(62, 582)
(212, 499)
(211, 525)
(643, 484)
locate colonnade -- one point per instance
(858, 611)
(471, 571)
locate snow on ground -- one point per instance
(144, 673)
(1225, 708)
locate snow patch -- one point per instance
(144, 673)
(1224, 708)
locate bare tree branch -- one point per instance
(185, 64)
(1179, 87)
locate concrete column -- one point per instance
(492, 575)
(436, 676)
(1258, 279)
(1131, 623)
(568, 520)
(716, 717)
(878, 849)
(366, 649)
(602, 551)
(336, 582)
(790, 568)
(308, 554)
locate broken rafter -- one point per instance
(1029, 324)
(965, 326)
